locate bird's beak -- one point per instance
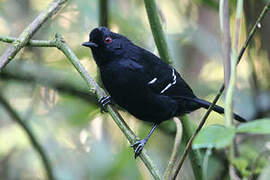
(90, 44)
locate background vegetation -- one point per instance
(47, 93)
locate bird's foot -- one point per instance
(138, 147)
(103, 102)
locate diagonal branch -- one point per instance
(28, 32)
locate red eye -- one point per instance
(108, 40)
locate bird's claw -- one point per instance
(103, 102)
(138, 147)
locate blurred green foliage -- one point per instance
(81, 142)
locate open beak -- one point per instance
(90, 44)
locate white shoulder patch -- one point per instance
(152, 81)
(170, 84)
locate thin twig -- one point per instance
(33, 43)
(174, 155)
(28, 32)
(251, 34)
(31, 136)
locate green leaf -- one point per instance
(215, 136)
(260, 126)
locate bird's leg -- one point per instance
(139, 144)
(104, 101)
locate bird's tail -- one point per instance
(218, 109)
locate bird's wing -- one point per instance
(170, 84)
(162, 78)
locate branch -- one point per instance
(25, 36)
(33, 43)
(232, 80)
(251, 34)
(226, 40)
(226, 45)
(238, 19)
(205, 162)
(233, 60)
(31, 137)
(157, 30)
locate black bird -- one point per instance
(140, 82)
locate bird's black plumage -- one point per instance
(140, 82)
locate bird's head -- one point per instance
(106, 45)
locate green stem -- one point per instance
(205, 163)
(221, 4)
(157, 30)
(226, 42)
(31, 137)
(28, 32)
(194, 155)
(229, 99)
(35, 43)
(176, 147)
(232, 81)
